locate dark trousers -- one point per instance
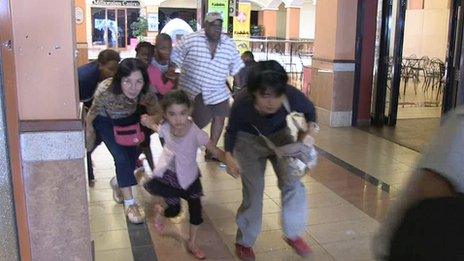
(90, 174)
(124, 157)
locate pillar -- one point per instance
(292, 30)
(333, 62)
(363, 113)
(151, 9)
(269, 21)
(48, 137)
(81, 32)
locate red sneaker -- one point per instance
(300, 246)
(244, 253)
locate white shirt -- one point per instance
(200, 73)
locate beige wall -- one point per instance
(281, 21)
(45, 39)
(426, 32)
(307, 20)
(437, 4)
(346, 29)
(326, 28)
(179, 3)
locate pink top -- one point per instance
(156, 80)
(183, 150)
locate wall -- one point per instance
(179, 4)
(40, 43)
(281, 21)
(9, 247)
(307, 20)
(326, 29)
(426, 31)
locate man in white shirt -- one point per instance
(206, 59)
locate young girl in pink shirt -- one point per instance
(176, 174)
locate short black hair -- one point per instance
(125, 68)
(163, 37)
(145, 44)
(175, 97)
(248, 54)
(108, 55)
(267, 75)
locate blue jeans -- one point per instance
(252, 154)
(125, 158)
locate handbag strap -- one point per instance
(269, 143)
(286, 104)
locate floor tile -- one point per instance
(123, 254)
(351, 250)
(111, 240)
(114, 221)
(332, 214)
(345, 230)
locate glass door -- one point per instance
(122, 32)
(453, 95)
(419, 60)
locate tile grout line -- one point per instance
(354, 170)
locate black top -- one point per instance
(243, 115)
(89, 77)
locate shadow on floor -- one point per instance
(410, 133)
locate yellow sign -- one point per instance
(242, 27)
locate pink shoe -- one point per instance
(244, 253)
(300, 246)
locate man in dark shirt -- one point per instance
(260, 109)
(89, 76)
(241, 79)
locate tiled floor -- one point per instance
(344, 208)
(411, 133)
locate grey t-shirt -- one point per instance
(445, 153)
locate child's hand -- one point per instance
(171, 74)
(232, 166)
(149, 122)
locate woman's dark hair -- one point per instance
(125, 68)
(267, 75)
(147, 45)
(175, 97)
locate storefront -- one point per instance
(111, 22)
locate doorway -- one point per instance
(111, 27)
(416, 74)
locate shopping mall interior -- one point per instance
(382, 74)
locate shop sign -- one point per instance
(222, 7)
(127, 3)
(242, 27)
(233, 8)
(152, 20)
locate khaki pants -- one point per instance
(252, 154)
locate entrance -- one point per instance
(111, 27)
(418, 59)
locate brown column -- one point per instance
(269, 21)
(333, 61)
(292, 30)
(47, 133)
(81, 32)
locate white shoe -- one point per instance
(117, 193)
(135, 214)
